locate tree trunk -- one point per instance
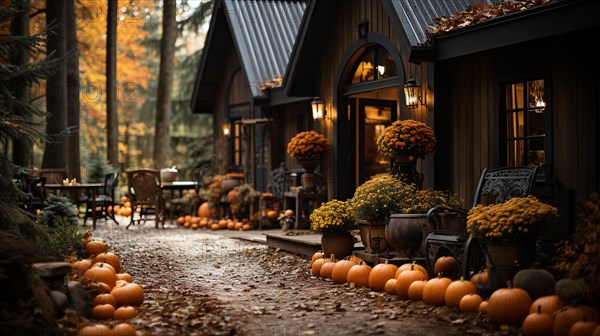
(74, 160)
(112, 130)
(55, 155)
(165, 84)
(22, 147)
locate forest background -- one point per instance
(125, 92)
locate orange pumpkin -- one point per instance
(327, 268)
(390, 286)
(238, 226)
(125, 313)
(567, 316)
(95, 330)
(470, 303)
(316, 266)
(82, 265)
(380, 274)
(246, 227)
(289, 212)
(359, 274)
(480, 278)
(205, 210)
(94, 247)
(109, 258)
(214, 226)
(483, 307)
(434, 292)
(98, 264)
(549, 304)
(124, 277)
(446, 265)
(584, 327)
(101, 274)
(180, 220)
(315, 256)
(339, 274)
(130, 294)
(537, 324)
(105, 299)
(508, 306)
(408, 266)
(103, 311)
(415, 290)
(406, 278)
(123, 329)
(456, 290)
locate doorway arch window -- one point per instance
(374, 63)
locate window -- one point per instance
(373, 64)
(527, 123)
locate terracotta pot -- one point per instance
(339, 243)
(372, 235)
(309, 181)
(168, 175)
(405, 233)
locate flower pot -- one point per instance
(309, 165)
(406, 169)
(228, 183)
(372, 235)
(341, 244)
(405, 233)
(505, 259)
(168, 175)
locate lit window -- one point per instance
(373, 64)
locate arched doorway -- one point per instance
(369, 99)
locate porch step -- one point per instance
(300, 242)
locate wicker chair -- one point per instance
(104, 200)
(495, 186)
(145, 194)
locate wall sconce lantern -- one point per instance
(318, 109)
(412, 93)
(226, 128)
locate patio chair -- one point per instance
(145, 194)
(104, 200)
(33, 187)
(54, 175)
(495, 186)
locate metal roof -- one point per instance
(417, 15)
(264, 32)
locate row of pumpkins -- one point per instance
(546, 315)
(194, 222)
(117, 296)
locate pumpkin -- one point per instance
(483, 307)
(390, 286)
(95, 330)
(446, 265)
(230, 225)
(82, 265)
(222, 224)
(537, 282)
(470, 303)
(567, 316)
(359, 274)
(272, 214)
(289, 212)
(100, 288)
(407, 266)
(406, 278)
(537, 324)
(355, 259)
(130, 294)
(103, 311)
(101, 273)
(205, 210)
(508, 306)
(584, 327)
(109, 258)
(456, 290)
(339, 274)
(415, 290)
(434, 292)
(570, 290)
(105, 298)
(102, 264)
(480, 278)
(327, 268)
(125, 313)
(214, 226)
(246, 227)
(315, 256)
(549, 304)
(94, 247)
(180, 220)
(232, 195)
(380, 274)
(124, 277)
(316, 266)
(123, 329)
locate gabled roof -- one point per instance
(410, 18)
(262, 32)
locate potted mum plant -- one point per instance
(373, 203)
(508, 231)
(308, 148)
(403, 142)
(334, 220)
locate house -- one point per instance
(514, 89)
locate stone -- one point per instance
(60, 301)
(52, 269)
(77, 297)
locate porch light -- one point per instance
(412, 93)
(226, 128)
(318, 109)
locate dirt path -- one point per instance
(200, 283)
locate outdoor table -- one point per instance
(176, 186)
(90, 188)
(299, 201)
